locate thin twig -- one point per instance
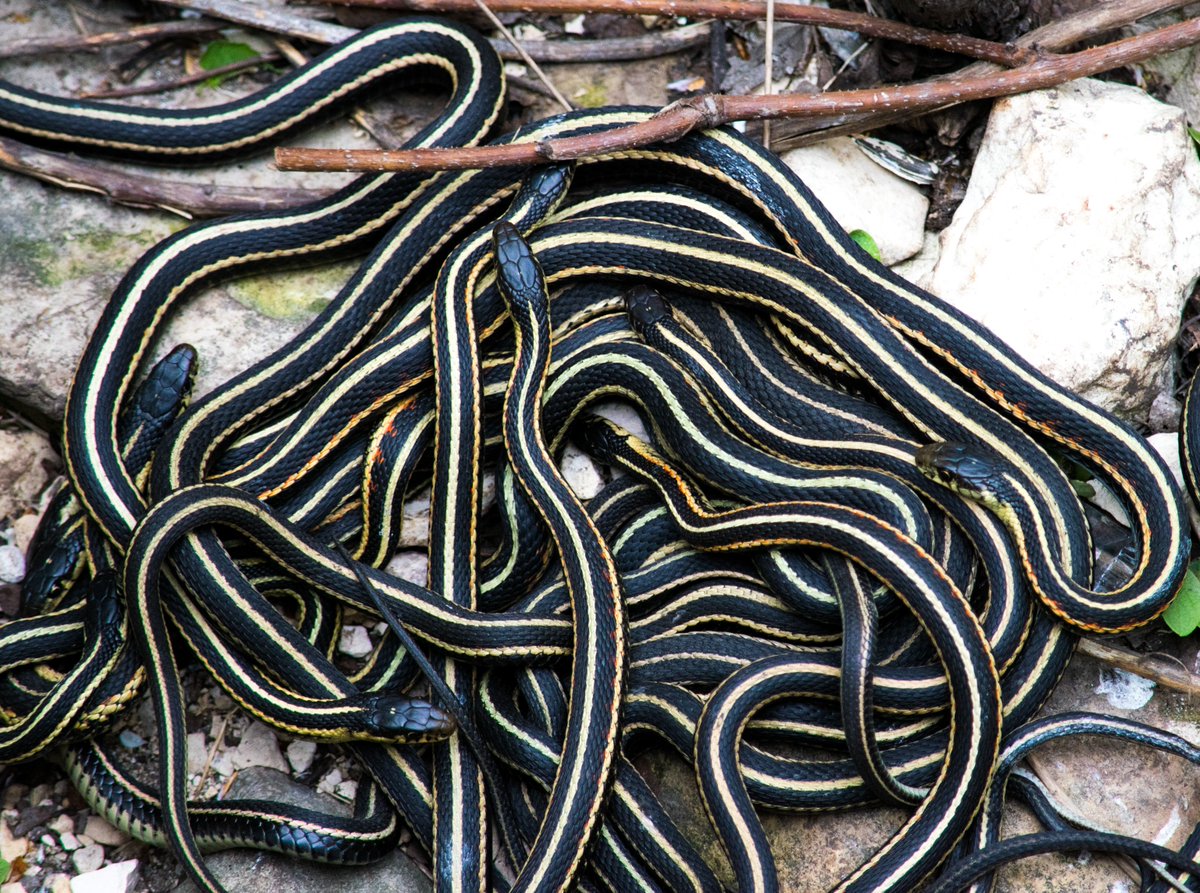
(133, 188)
(609, 49)
(710, 110)
(1149, 666)
(39, 46)
(1103, 18)
(525, 57)
(744, 10)
(185, 81)
(769, 67)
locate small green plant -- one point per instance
(1183, 614)
(220, 53)
(867, 243)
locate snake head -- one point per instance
(968, 469)
(397, 716)
(597, 436)
(645, 307)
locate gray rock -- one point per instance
(62, 252)
(249, 871)
(101, 831)
(1079, 237)
(88, 858)
(258, 747)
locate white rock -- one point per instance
(1079, 237)
(61, 824)
(410, 565)
(87, 858)
(12, 887)
(347, 789)
(69, 842)
(581, 472)
(197, 752)
(862, 195)
(12, 564)
(58, 883)
(328, 784)
(300, 755)
(355, 641)
(258, 747)
(120, 877)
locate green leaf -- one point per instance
(1083, 489)
(5, 871)
(1183, 614)
(1194, 133)
(220, 53)
(865, 242)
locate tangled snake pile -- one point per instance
(777, 582)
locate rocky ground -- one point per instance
(1080, 212)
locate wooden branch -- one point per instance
(710, 110)
(134, 188)
(1149, 666)
(275, 21)
(1102, 18)
(186, 80)
(747, 10)
(611, 49)
(36, 46)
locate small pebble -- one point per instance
(197, 752)
(300, 756)
(40, 794)
(69, 842)
(347, 789)
(12, 887)
(120, 877)
(412, 566)
(88, 858)
(258, 747)
(61, 824)
(13, 794)
(84, 840)
(329, 783)
(59, 883)
(11, 846)
(12, 564)
(355, 641)
(131, 740)
(48, 840)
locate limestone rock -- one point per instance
(120, 877)
(355, 641)
(88, 859)
(862, 195)
(1079, 237)
(100, 830)
(258, 747)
